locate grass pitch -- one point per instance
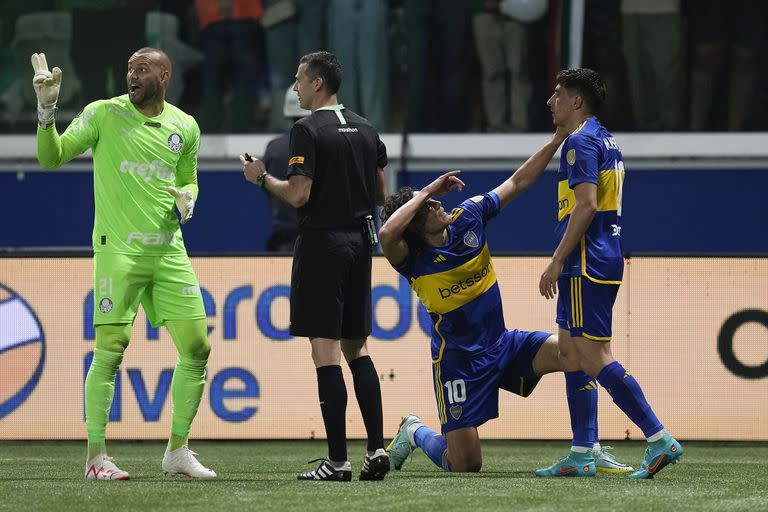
(262, 476)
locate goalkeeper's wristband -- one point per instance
(46, 115)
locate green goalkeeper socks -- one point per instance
(186, 389)
(99, 390)
(175, 442)
(95, 449)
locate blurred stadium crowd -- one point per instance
(425, 66)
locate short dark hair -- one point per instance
(164, 59)
(587, 83)
(326, 66)
(393, 203)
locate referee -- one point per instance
(335, 179)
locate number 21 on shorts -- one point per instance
(105, 286)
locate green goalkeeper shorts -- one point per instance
(165, 286)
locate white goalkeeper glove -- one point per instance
(185, 202)
(47, 85)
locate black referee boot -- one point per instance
(376, 466)
(326, 471)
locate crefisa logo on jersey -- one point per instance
(105, 305)
(22, 350)
(175, 142)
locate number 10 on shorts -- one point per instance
(457, 391)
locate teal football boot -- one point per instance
(658, 455)
(573, 464)
(403, 444)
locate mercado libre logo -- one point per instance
(22, 350)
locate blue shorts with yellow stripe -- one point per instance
(585, 308)
(467, 385)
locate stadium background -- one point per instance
(691, 320)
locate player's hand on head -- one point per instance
(445, 183)
(454, 183)
(46, 84)
(185, 202)
(561, 133)
(252, 168)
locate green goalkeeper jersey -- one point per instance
(135, 159)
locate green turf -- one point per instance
(262, 476)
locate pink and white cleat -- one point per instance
(102, 467)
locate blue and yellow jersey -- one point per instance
(590, 154)
(457, 282)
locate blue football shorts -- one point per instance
(585, 308)
(467, 386)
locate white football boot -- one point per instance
(607, 463)
(182, 461)
(102, 467)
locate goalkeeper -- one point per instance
(144, 162)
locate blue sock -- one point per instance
(581, 391)
(626, 393)
(434, 445)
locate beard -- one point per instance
(148, 93)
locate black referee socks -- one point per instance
(333, 404)
(368, 392)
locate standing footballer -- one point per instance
(144, 161)
(586, 271)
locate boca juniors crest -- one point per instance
(471, 239)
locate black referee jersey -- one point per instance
(340, 151)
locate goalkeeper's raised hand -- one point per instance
(47, 85)
(185, 202)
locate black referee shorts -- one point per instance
(331, 285)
